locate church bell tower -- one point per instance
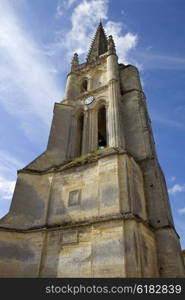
(95, 203)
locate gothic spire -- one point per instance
(98, 45)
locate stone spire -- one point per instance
(99, 44)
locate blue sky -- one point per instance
(37, 40)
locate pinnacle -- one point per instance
(98, 45)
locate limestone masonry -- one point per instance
(95, 203)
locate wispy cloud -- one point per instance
(8, 167)
(27, 81)
(172, 179)
(124, 43)
(64, 5)
(158, 117)
(181, 210)
(159, 61)
(85, 16)
(84, 20)
(6, 188)
(177, 188)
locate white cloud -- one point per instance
(27, 81)
(124, 43)
(64, 5)
(6, 188)
(6, 191)
(8, 169)
(157, 117)
(28, 85)
(172, 178)
(9, 165)
(177, 188)
(181, 210)
(160, 61)
(84, 20)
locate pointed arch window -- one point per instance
(102, 130)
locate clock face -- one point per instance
(89, 100)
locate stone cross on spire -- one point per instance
(99, 44)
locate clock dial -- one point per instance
(89, 100)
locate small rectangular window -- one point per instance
(74, 198)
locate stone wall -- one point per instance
(112, 248)
(95, 220)
(20, 254)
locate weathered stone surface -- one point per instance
(57, 148)
(132, 196)
(129, 77)
(20, 254)
(159, 211)
(95, 203)
(69, 237)
(169, 252)
(140, 250)
(106, 249)
(30, 202)
(183, 254)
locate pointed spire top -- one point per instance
(98, 45)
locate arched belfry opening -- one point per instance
(80, 124)
(102, 131)
(84, 86)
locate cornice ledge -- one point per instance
(85, 222)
